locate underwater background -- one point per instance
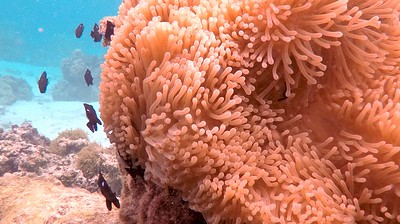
(49, 158)
(22, 41)
(37, 36)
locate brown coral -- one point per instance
(69, 141)
(261, 111)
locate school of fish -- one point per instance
(91, 114)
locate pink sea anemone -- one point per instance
(261, 111)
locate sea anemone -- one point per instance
(261, 111)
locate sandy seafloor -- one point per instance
(48, 116)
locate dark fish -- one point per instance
(79, 30)
(95, 34)
(134, 172)
(43, 82)
(92, 116)
(88, 77)
(129, 168)
(284, 97)
(109, 30)
(107, 193)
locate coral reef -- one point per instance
(73, 85)
(69, 141)
(92, 158)
(261, 111)
(13, 89)
(44, 200)
(28, 155)
(89, 160)
(24, 152)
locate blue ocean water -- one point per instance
(37, 36)
(41, 32)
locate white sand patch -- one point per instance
(51, 117)
(47, 116)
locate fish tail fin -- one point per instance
(116, 203)
(108, 203)
(90, 126)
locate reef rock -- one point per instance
(13, 89)
(45, 200)
(28, 155)
(73, 85)
(24, 152)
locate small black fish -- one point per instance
(284, 97)
(95, 34)
(92, 116)
(43, 82)
(107, 193)
(109, 30)
(79, 30)
(134, 172)
(88, 77)
(129, 168)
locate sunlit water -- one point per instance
(36, 35)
